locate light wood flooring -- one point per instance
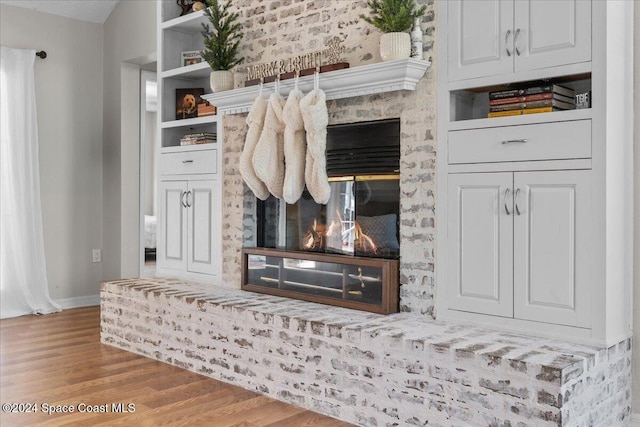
(57, 359)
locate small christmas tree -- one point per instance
(392, 16)
(222, 41)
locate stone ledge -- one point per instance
(366, 368)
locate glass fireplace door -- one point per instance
(361, 218)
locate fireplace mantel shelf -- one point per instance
(401, 74)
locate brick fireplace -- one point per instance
(416, 113)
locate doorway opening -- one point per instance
(148, 169)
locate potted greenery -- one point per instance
(221, 43)
(394, 18)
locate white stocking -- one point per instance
(255, 120)
(268, 158)
(316, 118)
(295, 148)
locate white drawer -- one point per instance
(547, 141)
(188, 162)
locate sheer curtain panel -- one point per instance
(23, 273)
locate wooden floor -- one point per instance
(56, 360)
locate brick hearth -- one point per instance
(368, 369)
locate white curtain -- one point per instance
(23, 274)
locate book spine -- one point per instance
(533, 104)
(508, 107)
(539, 110)
(526, 98)
(532, 90)
(510, 93)
(505, 113)
(549, 88)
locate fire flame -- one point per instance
(364, 242)
(317, 234)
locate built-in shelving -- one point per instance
(556, 116)
(183, 148)
(176, 35)
(196, 121)
(187, 23)
(471, 103)
(189, 242)
(401, 74)
(199, 70)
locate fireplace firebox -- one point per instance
(345, 252)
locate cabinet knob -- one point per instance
(187, 161)
(515, 41)
(515, 201)
(506, 42)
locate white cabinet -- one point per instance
(533, 210)
(552, 246)
(189, 234)
(172, 252)
(188, 212)
(480, 256)
(519, 245)
(493, 37)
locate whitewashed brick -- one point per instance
(401, 369)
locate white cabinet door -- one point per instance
(552, 243)
(201, 202)
(172, 248)
(551, 32)
(480, 236)
(480, 38)
(493, 37)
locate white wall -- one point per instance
(129, 41)
(69, 106)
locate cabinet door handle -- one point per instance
(183, 199)
(515, 41)
(506, 42)
(506, 197)
(187, 161)
(512, 141)
(188, 199)
(515, 201)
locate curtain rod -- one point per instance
(41, 54)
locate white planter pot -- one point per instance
(395, 46)
(221, 80)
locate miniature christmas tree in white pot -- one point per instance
(221, 43)
(394, 18)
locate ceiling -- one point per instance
(84, 10)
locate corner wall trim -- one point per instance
(77, 302)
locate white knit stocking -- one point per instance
(295, 148)
(316, 117)
(255, 120)
(268, 158)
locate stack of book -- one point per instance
(198, 138)
(542, 98)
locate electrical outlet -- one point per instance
(96, 255)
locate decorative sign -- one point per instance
(313, 60)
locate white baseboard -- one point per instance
(77, 302)
(635, 420)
